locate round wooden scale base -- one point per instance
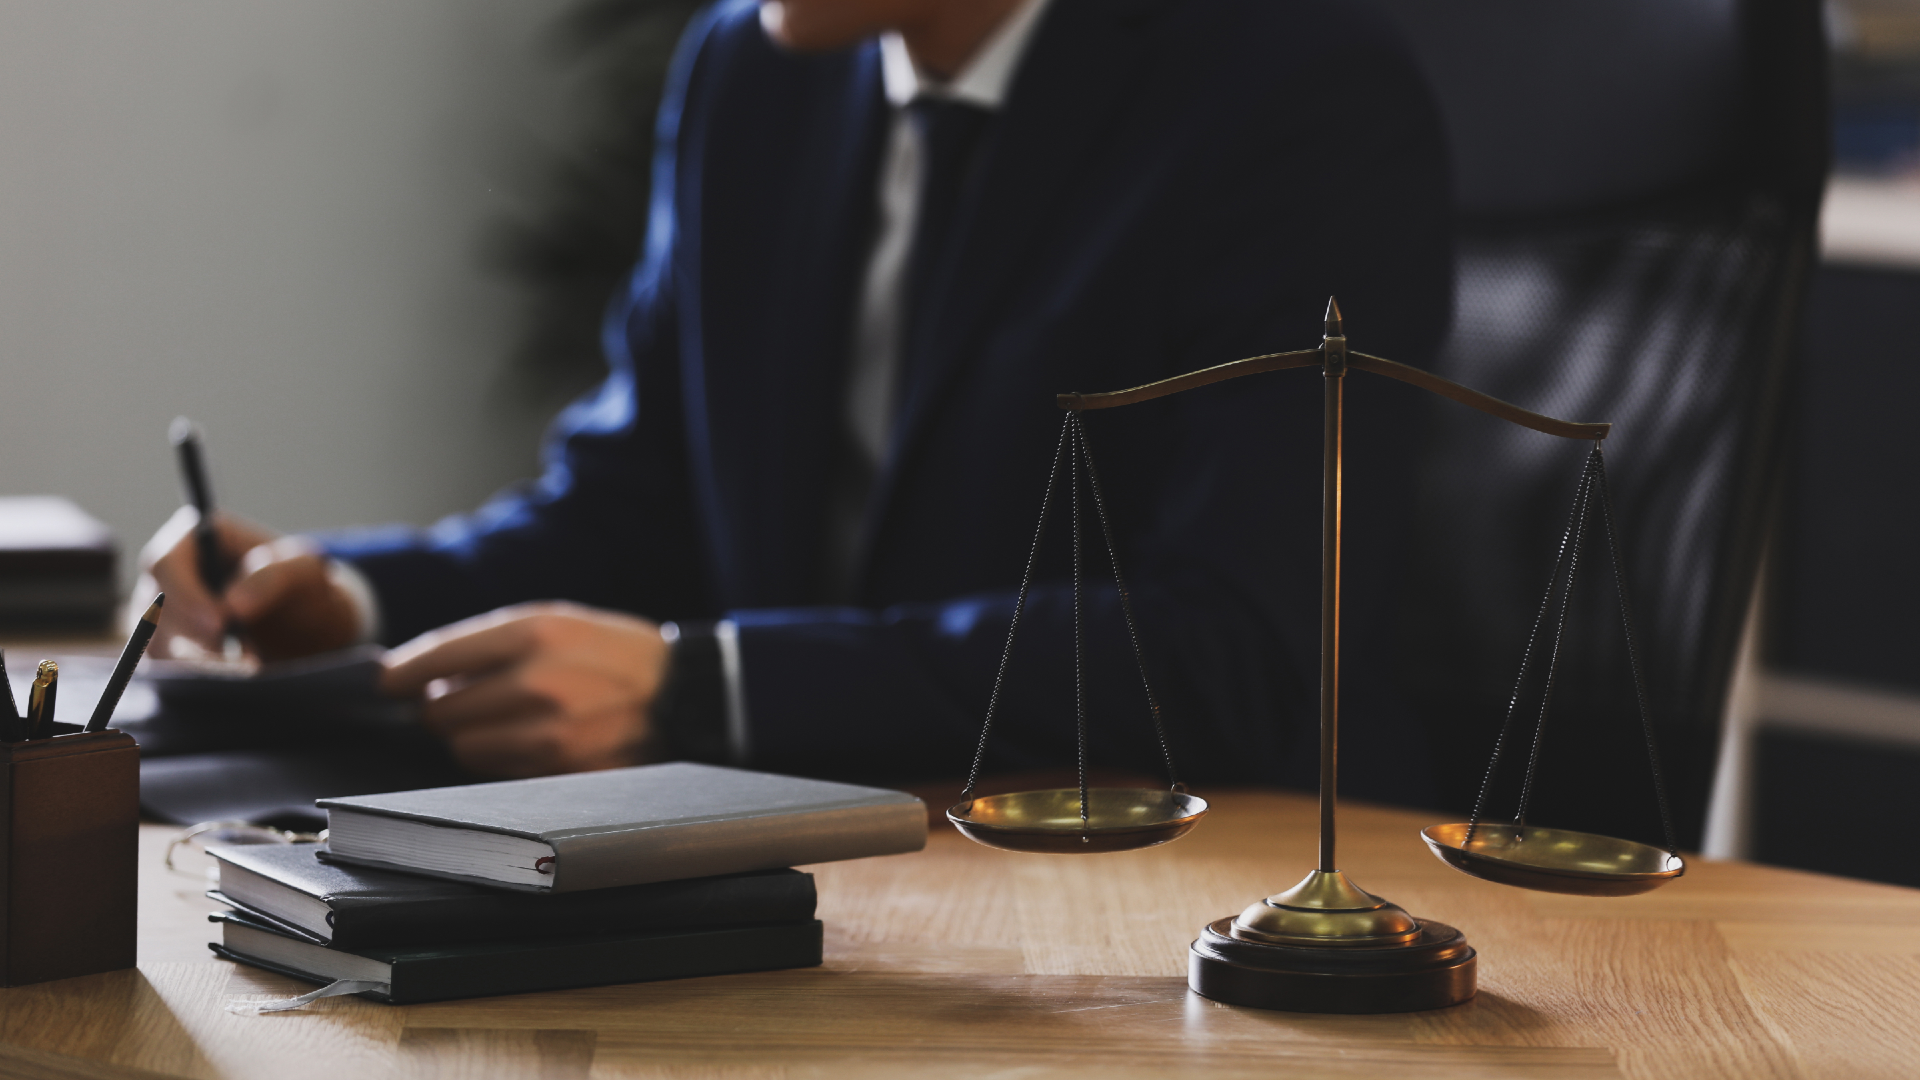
(1435, 971)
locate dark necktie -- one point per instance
(949, 131)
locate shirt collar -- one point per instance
(986, 78)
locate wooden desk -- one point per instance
(963, 962)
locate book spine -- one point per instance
(729, 901)
(599, 963)
(706, 848)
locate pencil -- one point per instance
(10, 718)
(46, 683)
(129, 659)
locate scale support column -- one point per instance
(1327, 945)
(1332, 424)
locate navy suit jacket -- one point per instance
(1171, 184)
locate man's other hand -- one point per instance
(537, 688)
(286, 595)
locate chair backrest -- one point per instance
(1638, 183)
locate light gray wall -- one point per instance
(263, 214)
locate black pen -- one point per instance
(129, 659)
(46, 683)
(10, 720)
(212, 564)
(193, 475)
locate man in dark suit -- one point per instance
(885, 233)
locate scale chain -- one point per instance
(1126, 601)
(1079, 640)
(1583, 504)
(1633, 651)
(1077, 450)
(1526, 659)
(1019, 605)
(1593, 479)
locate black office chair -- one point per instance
(1638, 184)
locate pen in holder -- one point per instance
(69, 850)
(69, 829)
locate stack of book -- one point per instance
(56, 567)
(656, 872)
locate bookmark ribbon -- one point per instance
(336, 988)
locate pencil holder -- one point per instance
(69, 850)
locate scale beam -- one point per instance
(1474, 399)
(1425, 380)
(1252, 365)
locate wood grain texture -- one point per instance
(965, 962)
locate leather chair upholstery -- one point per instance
(1638, 184)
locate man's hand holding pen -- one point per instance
(238, 585)
(522, 691)
(285, 594)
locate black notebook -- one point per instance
(351, 907)
(326, 707)
(441, 973)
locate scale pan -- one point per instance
(1554, 860)
(1118, 819)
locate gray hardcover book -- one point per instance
(622, 827)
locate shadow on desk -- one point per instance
(45, 1027)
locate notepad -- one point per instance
(336, 687)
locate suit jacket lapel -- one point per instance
(772, 373)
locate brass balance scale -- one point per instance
(1326, 945)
